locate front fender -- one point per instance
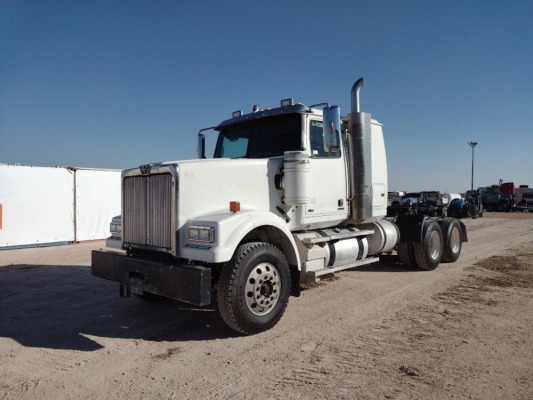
(230, 229)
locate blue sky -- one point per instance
(116, 84)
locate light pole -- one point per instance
(473, 145)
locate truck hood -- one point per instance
(206, 187)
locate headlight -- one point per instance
(205, 234)
(115, 227)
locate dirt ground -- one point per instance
(463, 331)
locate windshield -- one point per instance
(260, 138)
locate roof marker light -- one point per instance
(287, 102)
(236, 114)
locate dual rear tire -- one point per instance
(428, 253)
(439, 242)
(453, 243)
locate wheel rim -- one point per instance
(435, 245)
(262, 289)
(455, 240)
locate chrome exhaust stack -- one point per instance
(360, 158)
(356, 88)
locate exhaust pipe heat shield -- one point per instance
(360, 167)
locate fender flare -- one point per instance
(231, 229)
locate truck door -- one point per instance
(327, 180)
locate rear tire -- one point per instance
(429, 253)
(451, 232)
(406, 254)
(254, 288)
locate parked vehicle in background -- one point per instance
(405, 205)
(448, 197)
(427, 203)
(430, 203)
(500, 197)
(524, 197)
(471, 206)
(410, 199)
(527, 201)
(395, 198)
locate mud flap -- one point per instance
(464, 236)
(410, 227)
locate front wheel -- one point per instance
(254, 288)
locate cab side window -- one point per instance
(317, 142)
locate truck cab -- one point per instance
(291, 194)
(291, 137)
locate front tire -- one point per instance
(254, 288)
(429, 253)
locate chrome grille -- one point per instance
(147, 213)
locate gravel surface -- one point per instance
(462, 331)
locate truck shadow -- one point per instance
(386, 264)
(65, 307)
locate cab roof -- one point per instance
(269, 112)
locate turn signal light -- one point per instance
(234, 206)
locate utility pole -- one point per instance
(473, 145)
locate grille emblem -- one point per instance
(145, 169)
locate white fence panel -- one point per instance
(37, 205)
(97, 201)
(41, 205)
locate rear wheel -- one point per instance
(451, 232)
(429, 253)
(254, 288)
(406, 254)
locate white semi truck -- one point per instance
(292, 193)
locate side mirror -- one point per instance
(201, 145)
(331, 128)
